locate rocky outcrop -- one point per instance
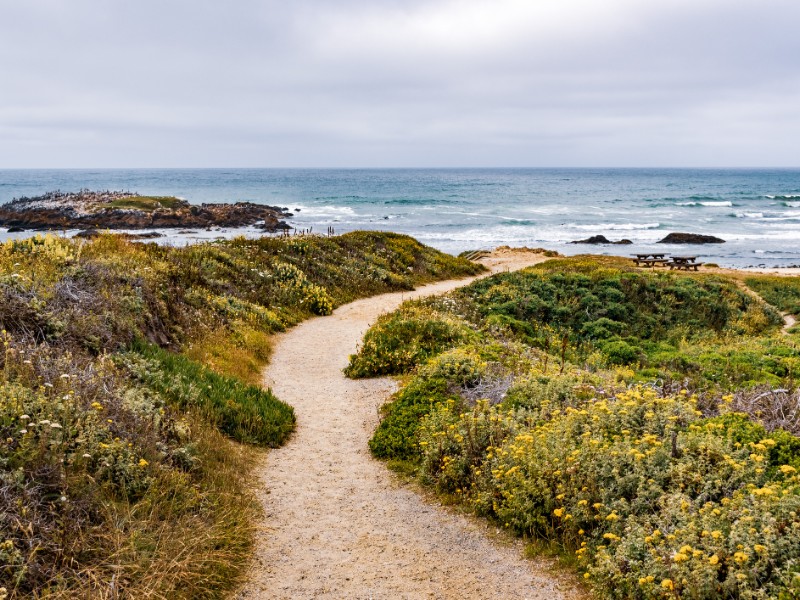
(125, 210)
(600, 239)
(690, 238)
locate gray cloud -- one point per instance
(394, 83)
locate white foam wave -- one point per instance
(750, 215)
(324, 211)
(614, 226)
(706, 203)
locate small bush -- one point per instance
(403, 339)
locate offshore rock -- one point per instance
(125, 210)
(600, 239)
(691, 238)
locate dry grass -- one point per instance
(241, 352)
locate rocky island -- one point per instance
(88, 209)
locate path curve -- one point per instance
(337, 523)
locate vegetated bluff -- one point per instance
(123, 378)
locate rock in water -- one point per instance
(125, 210)
(690, 238)
(595, 239)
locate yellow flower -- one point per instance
(759, 548)
(558, 512)
(713, 559)
(612, 517)
(667, 584)
(680, 557)
(788, 469)
(143, 463)
(716, 534)
(740, 557)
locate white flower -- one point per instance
(55, 426)
(23, 431)
(64, 376)
(44, 422)
(87, 455)
(24, 417)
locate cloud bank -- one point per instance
(399, 83)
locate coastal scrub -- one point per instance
(126, 375)
(640, 422)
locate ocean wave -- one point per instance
(351, 197)
(614, 226)
(706, 203)
(748, 215)
(509, 222)
(323, 211)
(792, 204)
(782, 196)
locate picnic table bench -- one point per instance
(685, 263)
(649, 260)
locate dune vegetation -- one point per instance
(642, 425)
(129, 414)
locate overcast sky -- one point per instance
(393, 83)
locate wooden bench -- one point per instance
(685, 266)
(650, 262)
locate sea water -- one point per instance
(757, 211)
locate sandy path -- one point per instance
(337, 523)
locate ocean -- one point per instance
(757, 211)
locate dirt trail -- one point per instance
(788, 319)
(337, 522)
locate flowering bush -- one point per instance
(642, 488)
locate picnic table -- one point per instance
(650, 259)
(685, 263)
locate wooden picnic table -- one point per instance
(650, 259)
(685, 263)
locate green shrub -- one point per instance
(403, 339)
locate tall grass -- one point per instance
(247, 413)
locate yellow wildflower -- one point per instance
(680, 557)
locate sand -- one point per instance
(337, 523)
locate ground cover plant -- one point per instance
(125, 381)
(642, 423)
